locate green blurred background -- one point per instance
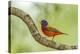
(64, 17)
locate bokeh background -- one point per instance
(64, 17)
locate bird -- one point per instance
(49, 31)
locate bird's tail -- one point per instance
(65, 33)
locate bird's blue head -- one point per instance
(44, 23)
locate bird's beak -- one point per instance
(39, 21)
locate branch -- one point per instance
(34, 31)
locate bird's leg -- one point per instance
(52, 38)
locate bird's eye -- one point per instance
(43, 21)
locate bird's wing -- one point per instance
(52, 29)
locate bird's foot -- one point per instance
(52, 38)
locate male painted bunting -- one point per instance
(49, 31)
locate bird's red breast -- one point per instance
(49, 31)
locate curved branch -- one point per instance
(29, 22)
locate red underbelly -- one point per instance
(50, 34)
